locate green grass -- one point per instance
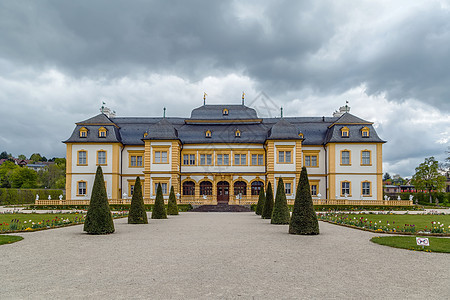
(9, 239)
(409, 242)
(393, 222)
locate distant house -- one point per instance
(39, 165)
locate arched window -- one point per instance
(206, 188)
(237, 133)
(225, 112)
(208, 133)
(240, 187)
(256, 187)
(189, 188)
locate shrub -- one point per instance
(172, 207)
(261, 200)
(268, 204)
(137, 214)
(159, 209)
(304, 219)
(26, 196)
(281, 213)
(99, 218)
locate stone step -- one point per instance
(222, 208)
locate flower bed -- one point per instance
(425, 224)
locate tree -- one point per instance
(22, 157)
(137, 214)
(99, 218)
(398, 180)
(172, 207)
(4, 155)
(159, 209)
(304, 219)
(268, 204)
(281, 213)
(386, 176)
(427, 176)
(36, 157)
(6, 170)
(261, 200)
(49, 176)
(23, 178)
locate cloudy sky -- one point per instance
(390, 59)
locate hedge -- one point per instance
(115, 207)
(26, 196)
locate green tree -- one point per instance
(49, 176)
(159, 209)
(428, 178)
(268, 204)
(281, 213)
(386, 176)
(99, 218)
(4, 155)
(6, 170)
(137, 214)
(304, 219)
(36, 157)
(261, 200)
(22, 157)
(23, 178)
(172, 207)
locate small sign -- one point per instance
(422, 241)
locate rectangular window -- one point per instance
(82, 158)
(223, 159)
(240, 159)
(161, 157)
(163, 187)
(136, 161)
(287, 188)
(101, 159)
(365, 158)
(192, 159)
(131, 190)
(82, 188)
(366, 188)
(284, 156)
(188, 159)
(257, 159)
(345, 188)
(345, 157)
(314, 190)
(311, 160)
(206, 159)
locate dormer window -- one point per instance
(300, 135)
(365, 132)
(145, 134)
(225, 112)
(83, 132)
(102, 132)
(208, 134)
(237, 133)
(345, 132)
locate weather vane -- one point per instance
(243, 97)
(204, 98)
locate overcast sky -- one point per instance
(390, 59)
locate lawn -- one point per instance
(8, 239)
(26, 222)
(409, 242)
(393, 222)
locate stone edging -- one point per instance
(387, 232)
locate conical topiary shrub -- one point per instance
(172, 207)
(137, 214)
(281, 213)
(261, 200)
(303, 219)
(159, 209)
(268, 204)
(99, 218)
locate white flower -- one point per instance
(25, 222)
(32, 223)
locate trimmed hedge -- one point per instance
(280, 213)
(26, 196)
(268, 203)
(137, 214)
(115, 207)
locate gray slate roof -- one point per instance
(316, 130)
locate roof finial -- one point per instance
(103, 106)
(282, 112)
(243, 97)
(204, 98)
(164, 114)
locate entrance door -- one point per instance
(223, 192)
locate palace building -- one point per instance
(226, 154)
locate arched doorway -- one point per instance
(223, 192)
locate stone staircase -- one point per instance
(222, 208)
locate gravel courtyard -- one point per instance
(216, 256)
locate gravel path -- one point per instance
(216, 256)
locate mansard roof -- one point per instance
(315, 130)
(163, 130)
(283, 130)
